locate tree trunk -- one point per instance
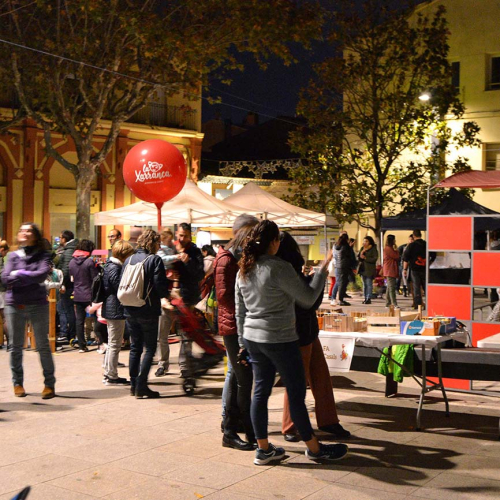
(83, 190)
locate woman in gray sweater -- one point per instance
(267, 289)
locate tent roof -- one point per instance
(455, 203)
(254, 199)
(472, 179)
(192, 205)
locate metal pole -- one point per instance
(427, 260)
(325, 234)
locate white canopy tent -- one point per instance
(253, 199)
(191, 205)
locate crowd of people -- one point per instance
(402, 271)
(266, 314)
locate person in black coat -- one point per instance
(344, 264)
(189, 266)
(143, 321)
(112, 311)
(315, 367)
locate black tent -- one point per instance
(455, 203)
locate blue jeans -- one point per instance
(418, 279)
(67, 316)
(286, 358)
(227, 382)
(38, 315)
(143, 334)
(367, 286)
(336, 286)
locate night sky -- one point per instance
(274, 91)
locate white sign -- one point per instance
(304, 240)
(338, 352)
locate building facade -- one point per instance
(35, 187)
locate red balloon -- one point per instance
(154, 170)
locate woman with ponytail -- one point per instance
(267, 289)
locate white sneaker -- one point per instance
(333, 302)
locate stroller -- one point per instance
(195, 328)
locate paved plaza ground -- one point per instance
(94, 441)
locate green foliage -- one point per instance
(136, 49)
(368, 140)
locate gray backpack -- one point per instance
(131, 289)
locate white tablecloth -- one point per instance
(492, 342)
(382, 340)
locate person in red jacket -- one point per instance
(225, 271)
(391, 269)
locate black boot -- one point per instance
(146, 392)
(234, 441)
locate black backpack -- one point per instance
(98, 293)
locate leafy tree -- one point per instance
(371, 144)
(131, 50)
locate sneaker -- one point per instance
(102, 349)
(333, 302)
(328, 452)
(84, 349)
(264, 457)
(121, 365)
(347, 296)
(344, 303)
(62, 339)
(117, 381)
(336, 430)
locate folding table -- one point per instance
(379, 341)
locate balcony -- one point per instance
(164, 115)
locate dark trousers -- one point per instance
(80, 322)
(343, 281)
(418, 279)
(143, 334)
(67, 315)
(239, 392)
(286, 358)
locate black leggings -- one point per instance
(242, 401)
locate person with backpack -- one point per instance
(112, 310)
(414, 257)
(142, 286)
(82, 271)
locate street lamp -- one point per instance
(425, 97)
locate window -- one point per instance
(494, 73)
(455, 74)
(492, 156)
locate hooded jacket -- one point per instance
(225, 271)
(111, 307)
(24, 276)
(82, 271)
(63, 263)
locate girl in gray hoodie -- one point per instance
(267, 289)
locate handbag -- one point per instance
(361, 267)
